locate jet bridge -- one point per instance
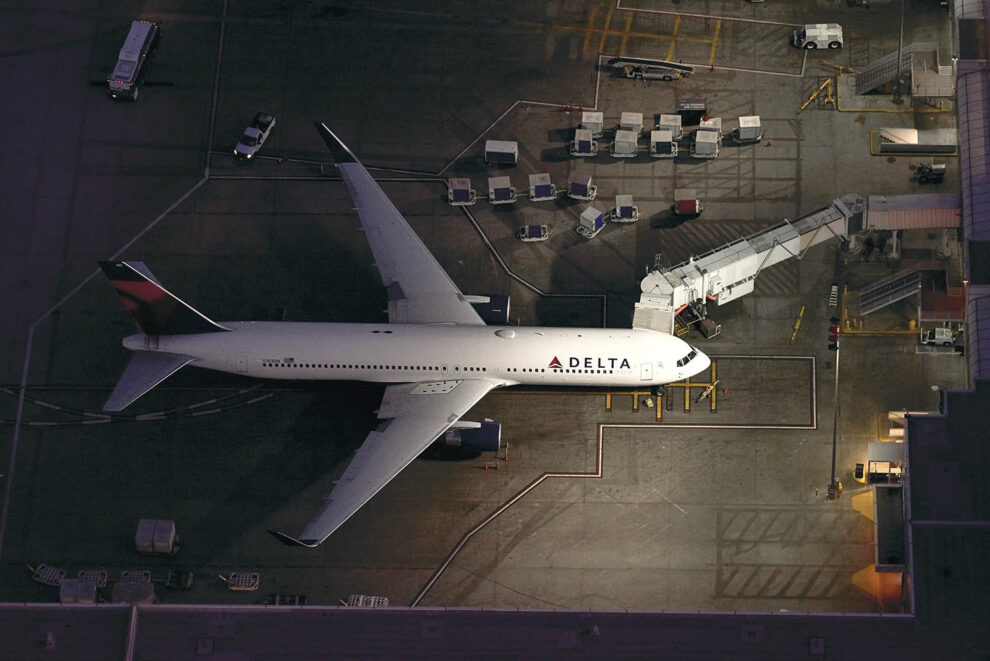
(729, 272)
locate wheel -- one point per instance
(947, 344)
(834, 44)
(810, 45)
(922, 179)
(667, 77)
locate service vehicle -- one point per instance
(254, 136)
(936, 336)
(933, 173)
(647, 69)
(818, 35)
(133, 60)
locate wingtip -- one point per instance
(340, 152)
(292, 541)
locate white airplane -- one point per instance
(437, 354)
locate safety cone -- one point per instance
(768, 144)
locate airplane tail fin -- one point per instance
(156, 310)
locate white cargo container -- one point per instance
(631, 121)
(579, 187)
(672, 123)
(625, 211)
(625, 144)
(501, 191)
(591, 223)
(594, 122)
(501, 152)
(540, 188)
(662, 144)
(584, 143)
(460, 193)
(707, 138)
(749, 129)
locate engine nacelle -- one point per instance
(492, 308)
(485, 436)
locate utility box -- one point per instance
(540, 188)
(460, 193)
(631, 121)
(672, 123)
(501, 152)
(591, 223)
(594, 122)
(156, 536)
(579, 187)
(625, 144)
(625, 211)
(749, 129)
(584, 143)
(662, 144)
(501, 191)
(686, 202)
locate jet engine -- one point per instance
(492, 308)
(484, 436)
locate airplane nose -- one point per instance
(703, 361)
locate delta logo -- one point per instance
(589, 362)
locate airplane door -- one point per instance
(646, 371)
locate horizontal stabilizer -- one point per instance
(145, 371)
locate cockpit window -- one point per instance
(688, 358)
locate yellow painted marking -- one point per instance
(606, 30)
(687, 394)
(714, 386)
(718, 27)
(797, 324)
(625, 34)
(863, 503)
(673, 39)
(866, 580)
(608, 402)
(589, 28)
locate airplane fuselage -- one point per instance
(397, 353)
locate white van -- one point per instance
(132, 61)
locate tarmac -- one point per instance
(599, 502)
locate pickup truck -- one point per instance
(254, 136)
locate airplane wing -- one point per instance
(414, 415)
(419, 290)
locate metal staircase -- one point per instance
(898, 286)
(884, 70)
